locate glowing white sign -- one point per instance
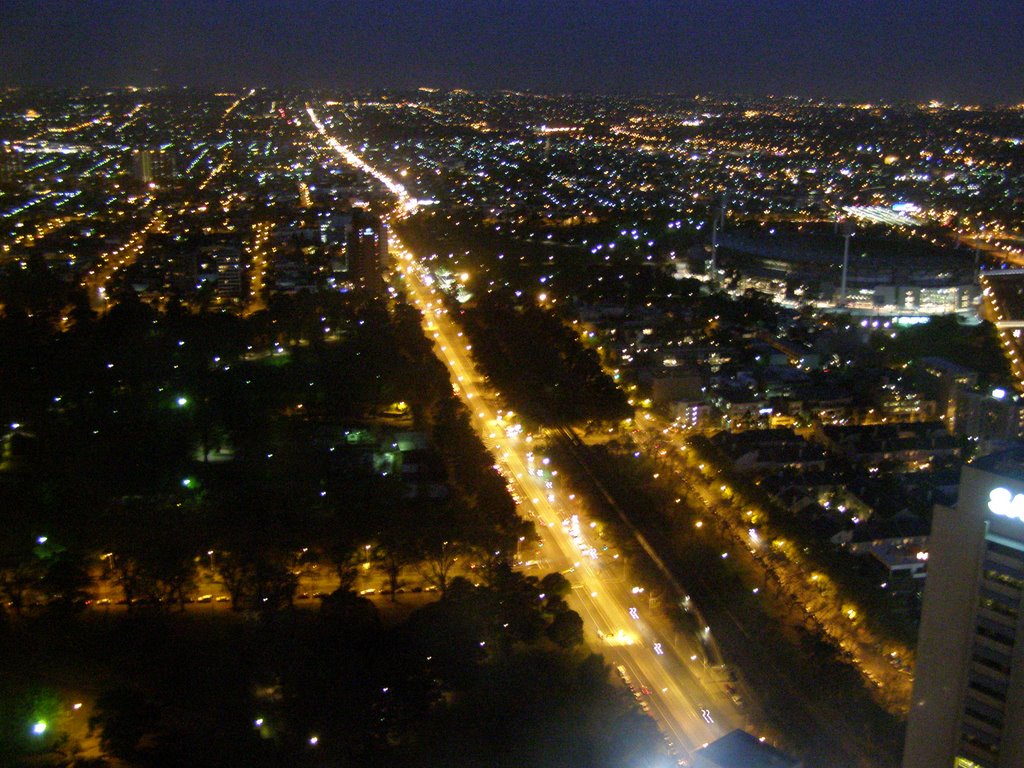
(1002, 502)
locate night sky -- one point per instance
(969, 50)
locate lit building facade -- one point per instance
(10, 163)
(967, 708)
(152, 165)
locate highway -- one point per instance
(405, 203)
(665, 670)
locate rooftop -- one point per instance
(1006, 463)
(739, 749)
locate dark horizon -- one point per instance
(738, 97)
(852, 51)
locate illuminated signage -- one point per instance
(1005, 504)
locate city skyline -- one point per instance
(863, 51)
(563, 384)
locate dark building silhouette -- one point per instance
(11, 164)
(738, 749)
(367, 251)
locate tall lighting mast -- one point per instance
(717, 223)
(847, 234)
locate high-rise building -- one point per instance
(988, 416)
(967, 709)
(152, 165)
(10, 163)
(367, 251)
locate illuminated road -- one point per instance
(97, 280)
(405, 202)
(1009, 336)
(1011, 254)
(39, 231)
(773, 557)
(688, 705)
(629, 631)
(44, 228)
(258, 263)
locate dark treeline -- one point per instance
(975, 347)
(539, 365)
(489, 675)
(123, 424)
(154, 451)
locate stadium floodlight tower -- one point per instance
(717, 224)
(847, 234)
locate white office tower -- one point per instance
(967, 709)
